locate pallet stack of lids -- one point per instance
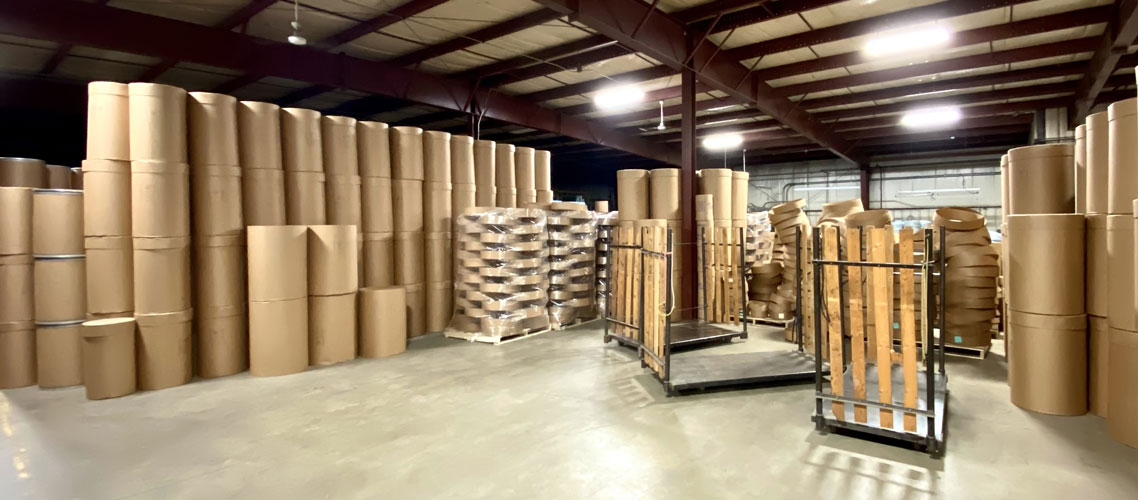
(278, 299)
(572, 232)
(766, 271)
(973, 266)
(17, 309)
(303, 158)
(407, 169)
(333, 279)
(505, 176)
(377, 255)
(438, 218)
(220, 323)
(606, 221)
(789, 219)
(262, 169)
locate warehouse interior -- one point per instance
(568, 248)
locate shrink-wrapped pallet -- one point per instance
(606, 222)
(572, 231)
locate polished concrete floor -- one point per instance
(558, 416)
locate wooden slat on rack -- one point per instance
(629, 279)
(634, 303)
(616, 275)
(834, 307)
(908, 332)
(857, 322)
(881, 242)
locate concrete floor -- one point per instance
(557, 416)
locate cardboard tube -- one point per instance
(632, 188)
(376, 204)
(1098, 365)
(59, 358)
(278, 263)
(163, 350)
(740, 189)
(409, 268)
(108, 121)
(57, 222)
(704, 207)
(524, 172)
(259, 135)
(1081, 169)
(160, 200)
(416, 310)
(332, 260)
(23, 172)
(601, 206)
(462, 159)
(505, 171)
(17, 281)
(17, 357)
(263, 197)
(485, 176)
(60, 289)
(526, 197)
(219, 272)
(440, 305)
(374, 149)
(331, 329)
(1005, 193)
(161, 275)
(340, 146)
(344, 199)
(157, 123)
(1097, 266)
(1122, 156)
(1041, 179)
(407, 200)
(436, 156)
(1120, 310)
(437, 206)
(58, 177)
(507, 197)
(665, 193)
(301, 149)
(106, 199)
(462, 197)
(1098, 163)
(16, 223)
(217, 204)
(381, 335)
(222, 341)
(108, 357)
(1122, 405)
(110, 274)
(305, 198)
(1055, 243)
(543, 170)
(213, 129)
(544, 197)
(439, 256)
(379, 259)
(278, 337)
(718, 183)
(407, 153)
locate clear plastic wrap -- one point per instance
(766, 270)
(606, 221)
(572, 231)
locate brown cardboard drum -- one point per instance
(58, 177)
(60, 289)
(159, 199)
(278, 262)
(463, 196)
(263, 197)
(1098, 365)
(110, 274)
(524, 173)
(23, 172)
(259, 135)
(1047, 253)
(331, 329)
(217, 201)
(505, 173)
(163, 350)
(108, 121)
(1120, 307)
(59, 358)
(1122, 156)
(340, 147)
(407, 153)
(108, 357)
(383, 321)
(17, 357)
(106, 199)
(416, 309)
(300, 140)
(343, 196)
(16, 221)
(439, 256)
(374, 150)
(665, 193)
(1005, 192)
(304, 198)
(157, 123)
(740, 189)
(704, 207)
(57, 222)
(601, 206)
(544, 197)
(1098, 163)
(632, 189)
(462, 159)
(718, 183)
(333, 268)
(1122, 405)
(1097, 266)
(485, 176)
(376, 204)
(440, 305)
(379, 259)
(76, 178)
(1041, 179)
(526, 197)
(407, 200)
(161, 275)
(437, 209)
(1050, 372)
(219, 272)
(278, 337)
(436, 156)
(222, 340)
(543, 170)
(213, 129)
(409, 258)
(1081, 169)
(506, 197)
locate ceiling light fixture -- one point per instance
(722, 141)
(295, 38)
(906, 41)
(931, 117)
(618, 97)
(661, 125)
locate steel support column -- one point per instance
(688, 159)
(863, 177)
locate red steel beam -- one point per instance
(765, 12)
(557, 51)
(650, 96)
(558, 65)
(379, 22)
(242, 16)
(61, 52)
(1113, 44)
(110, 28)
(639, 75)
(508, 27)
(714, 8)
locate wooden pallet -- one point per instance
(574, 323)
(765, 321)
(959, 350)
(493, 339)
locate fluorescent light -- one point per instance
(931, 117)
(721, 108)
(722, 141)
(906, 41)
(933, 192)
(618, 97)
(825, 188)
(717, 122)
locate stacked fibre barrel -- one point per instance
(24, 172)
(1122, 305)
(219, 236)
(973, 266)
(437, 220)
(485, 174)
(525, 176)
(378, 249)
(505, 176)
(60, 285)
(303, 158)
(664, 203)
(407, 168)
(262, 169)
(344, 206)
(464, 182)
(543, 175)
(17, 308)
(160, 227)
(572, 232)
(278, 300)
(333, 279)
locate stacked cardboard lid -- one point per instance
(973, 265)
(572, 245)
(606, 221)
(836, 212)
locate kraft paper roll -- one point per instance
(163, 350)
(376, 204)
(1097, 268)
(665, 193)
(374, 149)
(632, 188)
(110, 274)
(543, 170)
(160, 200)
(1122, 387)
(1120, 310)
(718, 183)
(161, 275)
(344, 199)
(1005, 193)
(263, 197)
(106, 198)
(58, 177)
(59, 358)
(216, 195)
(506, 197)
(278, 263)
(440, 305)
(409, 258)
(1050, 370)
(407, 199)
(437, 210)
(278, 337)
(213, 129)
(1098, 365)
(17, 281)
(108, 121)
(1081, 169)
(23, 172)
(60, 289)
(379, 259)
(331, 329)
(439, 256)
(462, 159)
(17, 357)
(416, 310)
(222, 341)
(219, 272)
(300, 140)
(740, 189)
(305, 198)
(108, 357)
(407, 153)
(544, 197)
(332, 260)
(505, 172)
(436, 156)
(1041, 179)
(485, 176)
(1098, 162)
(259, 135)
(463, 196)
(340, 147)
(525, 174)
(1046, 270)
(16, 223)
(1122, 156)
(601, 206)
(57, 222)
(157, 123)
(381, 334)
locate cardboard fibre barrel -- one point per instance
(462, 159)
(259, 135)
(525, 176)
(216, 198)
(1047, 255)
(301, 147)
(409, 257)
(1097, 268)
(333, 267)
(305, 198)
(160, 199)
(222, 340)
(665, 193)
(440, 305)
(374, 149)
(1098, 365)
(437, 208)
(17, 282)
(59, 358)
(157, 123)
(601, 206)
(526, 197)
(1098, 163)
(57, 222)
(632, 188)
(278, 337)
(376, 205)
(1120, 310)
(58, 177)
(219, 272)
(108, 357)
(439, 256)
(213, 129)
(436, 156)
(1122, 156)
(76, 178)
(506, 197)
(704, 207)
(383, 321)
(163, 349)
(16, 222)
(60, 289)
(1050, 370)
(718, 183)
(407, 201)
(407, 153)
(1122, 405)
(463, 196)
(108, 121)
(161, 275)
(543, 196)
(110, 274)
(278, 262)
(106, 198)
(1041, 179)
(379, 259)
(1005, 194)
(340, 145)
(331, 328)
(416, 309)
(505, 170)
(263, 197)
(17, 355)
(23, 172)
(485, 176)
(740, 187)
(344, 199)
(1081, 169)
(543, 170)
